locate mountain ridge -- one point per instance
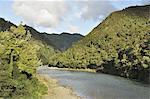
(47, 38)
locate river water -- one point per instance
(99, 86)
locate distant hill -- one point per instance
(58, 41)
(61, 41)
(4, 25)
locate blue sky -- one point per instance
(73, 16)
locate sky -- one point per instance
(57, 16)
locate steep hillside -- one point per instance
(58, 41)
(4, 25)
(121, 22)
(119, 45)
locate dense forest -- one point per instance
(60, 42)
(119, 46)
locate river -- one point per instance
(99, 86)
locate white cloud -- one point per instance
(73, 29)
(146, 2)
(94, 9)
(42, 13)
(50, 13)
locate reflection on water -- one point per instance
(99, 86)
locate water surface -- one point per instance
(99, 86)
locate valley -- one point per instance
(111, 62)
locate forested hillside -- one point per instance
(60, 42)
(119, 45)
(4, 25)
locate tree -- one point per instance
(18, 63)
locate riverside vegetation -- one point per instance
(118, 46)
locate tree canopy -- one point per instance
(18, 63)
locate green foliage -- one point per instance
(18, 63)
(45, 53)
